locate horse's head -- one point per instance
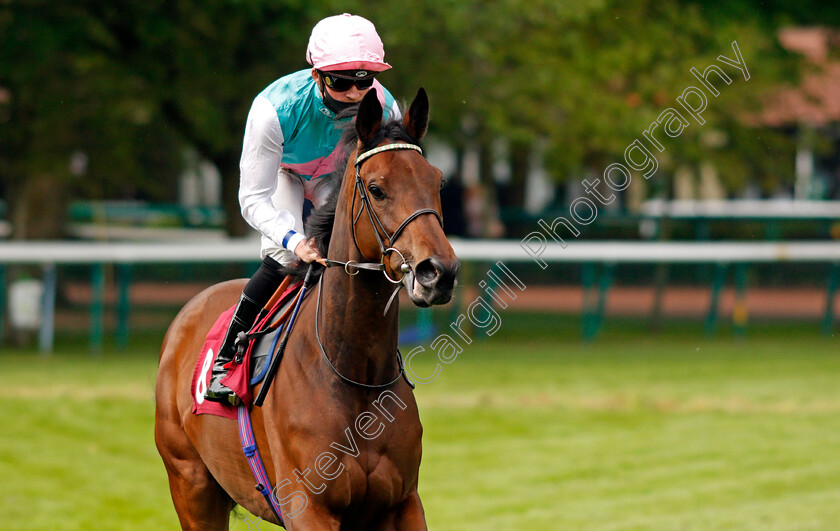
(395, 202)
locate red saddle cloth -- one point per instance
(238, 377)
(201, 375)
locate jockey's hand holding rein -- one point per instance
(308, 252)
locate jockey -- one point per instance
(291, 141)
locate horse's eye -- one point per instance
(376, 192)
(442, 183)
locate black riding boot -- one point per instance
(256, 293)
(242, 320)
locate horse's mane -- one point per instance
(319, 225)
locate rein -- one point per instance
(378, 227)
(400, 373)
(352, 267)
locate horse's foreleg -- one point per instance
(201, 504)
(315, 518)
(407, 516)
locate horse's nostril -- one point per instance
(427, 272)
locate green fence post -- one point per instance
(772, 232)
(660, 283)
(123, 304)
(2, 303)
(425, 328)
(97, 307)
(718, 281)
(702, 230)
(740, 316)
(589, 307)
(831, 290)
(603, 288)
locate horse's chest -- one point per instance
(360, 470)
(355, 457)
(377, 481)
(374, 465)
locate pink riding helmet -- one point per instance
(346, 42)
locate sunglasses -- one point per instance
(344, 83)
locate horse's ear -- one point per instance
(417, 119)
(369, 117)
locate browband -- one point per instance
(387, 147)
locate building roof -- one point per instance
(816, 100)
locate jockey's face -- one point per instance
(353, 95)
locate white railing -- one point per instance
(237, 251)
(50, 254)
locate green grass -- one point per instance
(522, 432)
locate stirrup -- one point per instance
(225, 397)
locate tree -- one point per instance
(585, 79)
(131, 83)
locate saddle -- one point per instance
(263, 338)
(251, 365)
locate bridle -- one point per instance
(352, 267)
(370, 387)
(378, 227)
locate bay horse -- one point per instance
(340, 362)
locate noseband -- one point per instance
(378, 227)
(351, 267)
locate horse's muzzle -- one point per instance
(433, 281)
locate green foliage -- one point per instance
(589, 77)
(131, 83)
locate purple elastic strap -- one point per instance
(249, 448)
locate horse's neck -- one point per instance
(359, 340)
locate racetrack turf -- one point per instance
(525, 432)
